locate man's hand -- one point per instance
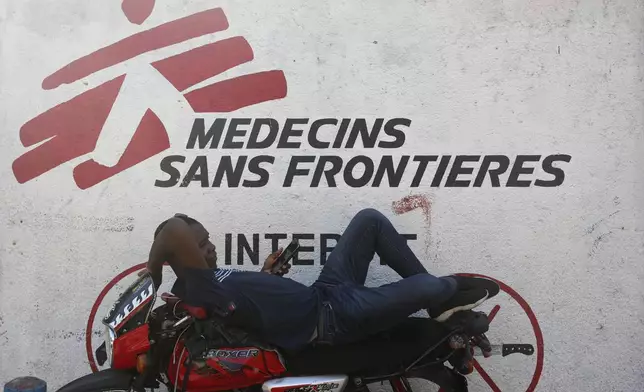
(157, 280)
(271, 259)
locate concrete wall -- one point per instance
(550, 91)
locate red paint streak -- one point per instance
(171, 33)
(194, 66)
(485, 376)
(410, 203)
(149, 139)
(137, 11)
(533, 321)
(71, 127)
(493, 313)
(97, 303)
(236, 93)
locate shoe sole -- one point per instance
(496, 290)
(448, 313)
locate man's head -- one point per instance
(200, 234)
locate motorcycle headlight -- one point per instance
(110, 336)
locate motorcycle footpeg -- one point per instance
(505, 349)
(462, 360)
(525, 349)
(461, 363)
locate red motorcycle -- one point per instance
(190, 349)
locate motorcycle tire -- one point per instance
(103, 381)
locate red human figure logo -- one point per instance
(137, 11)
(95, 123)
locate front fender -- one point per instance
(100, 381)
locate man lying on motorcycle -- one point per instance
(337, 308)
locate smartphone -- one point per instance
(286, 255)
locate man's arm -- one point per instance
(174, 241)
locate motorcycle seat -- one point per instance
(195, 311)
(384, 352)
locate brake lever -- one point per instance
(481, 341)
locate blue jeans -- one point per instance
(357, 311)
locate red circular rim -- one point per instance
(97, 303)
(533, 321)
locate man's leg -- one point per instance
(363, 311)
(369, 233)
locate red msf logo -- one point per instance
(95, 123)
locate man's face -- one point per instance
(208, 249)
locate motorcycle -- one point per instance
(187, 348)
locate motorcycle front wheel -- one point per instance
(103, 381)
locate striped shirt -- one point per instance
(222, 273)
